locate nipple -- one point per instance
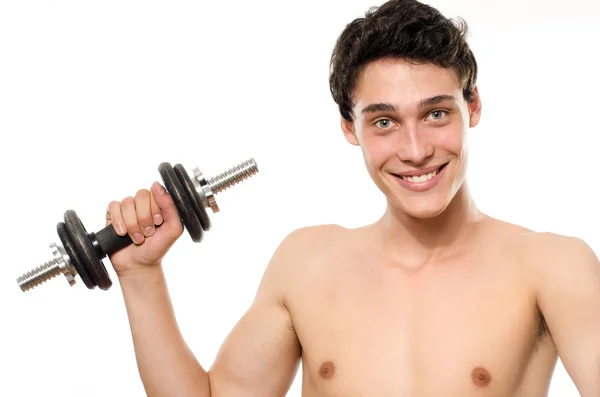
(327, 370)
(481, 377)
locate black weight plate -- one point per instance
(85, 249)
(183, 204)
(190, 189)
(63, 234)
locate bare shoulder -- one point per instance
(548, 247)
(553, 253)
(316, 233)
(301, 246)
(546, 252)
(310, 240)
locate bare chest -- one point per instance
(465, 330)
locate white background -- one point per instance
(94, 95)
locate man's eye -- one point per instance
(384, 123)
(438, 114)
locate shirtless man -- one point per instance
(433, 299)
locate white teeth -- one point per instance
(420, 178)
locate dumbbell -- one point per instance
(81, 253)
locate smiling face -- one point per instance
(410, 122)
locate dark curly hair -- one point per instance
(405, 29)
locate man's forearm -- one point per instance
(167, 367)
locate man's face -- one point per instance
(411, 123)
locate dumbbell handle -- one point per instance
(106, 241)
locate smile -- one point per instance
(421, 182)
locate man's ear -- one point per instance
(475, 109)
(349, 131)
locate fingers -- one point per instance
(155, 210)
(130, 218)
(139, 215)
(114, 216)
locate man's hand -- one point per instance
(139, 217)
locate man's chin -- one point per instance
(421, 205)
(427, 213)
(420, 210)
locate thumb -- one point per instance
(166, 205)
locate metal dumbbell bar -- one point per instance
(81, 253)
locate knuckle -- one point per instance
(111, 209)
(127, 201)
(142, 193)
(132, 226)
(145, 221)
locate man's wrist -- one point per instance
(143, 272)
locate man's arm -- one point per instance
(569, 299)
(260, 357)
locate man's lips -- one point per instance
(421, 180)
(421, 171)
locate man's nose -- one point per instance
(415, 146)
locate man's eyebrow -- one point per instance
(435, 100)
(388, 107)
(379, 107)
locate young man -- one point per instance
(433, 299)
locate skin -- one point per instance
(434, 298)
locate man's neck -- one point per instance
(416, 242)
